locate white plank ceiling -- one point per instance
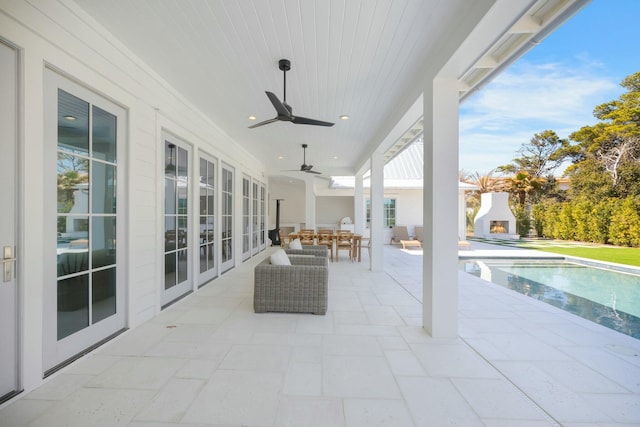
(362, 58)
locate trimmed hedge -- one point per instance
(610, 220)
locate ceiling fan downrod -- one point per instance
(284, 65)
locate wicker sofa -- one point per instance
(316, 250)
(301, 287)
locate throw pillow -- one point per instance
(280, 257)
(295, 244)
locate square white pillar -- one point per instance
(440, 259)
(358, 204)
(377, 214)
(309, 203)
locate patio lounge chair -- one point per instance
(419, 230)
(401, 235)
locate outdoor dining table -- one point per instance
(357, 241)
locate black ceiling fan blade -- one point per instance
(310, 171)
(266, 122)
(279, 106)
(306, 121)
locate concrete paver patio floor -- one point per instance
(209, 360)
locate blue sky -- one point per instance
(556, 85)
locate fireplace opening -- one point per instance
(499, 227)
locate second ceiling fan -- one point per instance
(304, 167)
(284, 110)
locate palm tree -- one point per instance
(522, 184)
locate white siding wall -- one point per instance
(65, 39)
(408, 208)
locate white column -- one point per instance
(440, 262)
(377, 216)
(462, 215)
(358, 205)
(309, 203)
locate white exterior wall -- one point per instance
(77, 47)
(408, 208)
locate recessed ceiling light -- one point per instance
(344, 117)
(280, 157)
(252, 117)
(70, 118)
(335, 157)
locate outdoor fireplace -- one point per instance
(499, 227)
(495, 219)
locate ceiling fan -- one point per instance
(284, 110)
(304, 167)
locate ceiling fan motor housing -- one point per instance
(284, 64)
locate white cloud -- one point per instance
(527, 99)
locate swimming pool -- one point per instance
(607, 297)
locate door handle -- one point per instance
(8, 260)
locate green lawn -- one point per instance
(619, 255)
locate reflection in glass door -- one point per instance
(176, 219)
(226, 241)
(263, 216)
(255, 209)
(207, 246)
(88, 304)
(246, 217)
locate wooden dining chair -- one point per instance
(344, 242)
(307, 237)
(282, 238)
(325, 238)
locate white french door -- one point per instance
(207, 234)
(85, 142)
(263, 217)
(226, 218)
(255, 218)
(9, 353)
(177, 256)
(246, 217)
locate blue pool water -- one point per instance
(610, 298)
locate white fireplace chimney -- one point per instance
(495, 219)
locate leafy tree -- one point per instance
(540, 157)
(590, 181)
(610, 148)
